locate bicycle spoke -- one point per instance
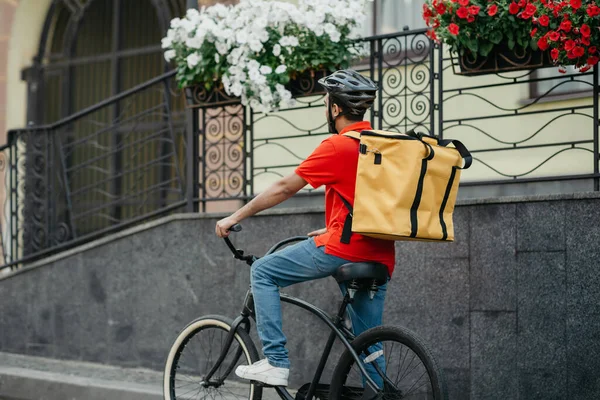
(410, 390)
(197, 356)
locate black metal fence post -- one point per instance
(192, 177)
(596, 95)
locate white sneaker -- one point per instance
(262, 371)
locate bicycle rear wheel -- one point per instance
(395, 358)
(195, 352)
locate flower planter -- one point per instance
(198, 97)
(500, 60)
(307, 83)
(301, 85)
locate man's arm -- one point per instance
(277, 193)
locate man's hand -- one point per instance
(317, 233)
(222, 229)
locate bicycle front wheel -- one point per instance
(398, 362)
(194, 354)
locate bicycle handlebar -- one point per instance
(249, 259)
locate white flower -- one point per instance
(166, 42)
(187, 26)
(193, 60)
(254, 75)
(256, 46)
(241, 37)
(194, 42)
(217, 58)
(193, 15)
(266, 70)
(237, 89)
(335, 36)
(276, 50)
(281, 69)
(222, 48)
(169, 55)
(253, 65)
(288, 41)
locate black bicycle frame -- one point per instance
(337, 330)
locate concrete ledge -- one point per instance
(18, 382)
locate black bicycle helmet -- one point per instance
(355, 92)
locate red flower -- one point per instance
(431, 34)
(585, 69)
(474, 10)
(543, 43)
(576, 4)
(427, 13)
(533, 32)
(593, 60)
(554, 36)
(513, 8)
(453, 29)
(530, 9)
(544, 20)
(562, 70)
(569, 45)
(585, 30)
(463, 3)
(522, 3)
(592, 49)
(586, 41)
(493, 10)
(441, 8)
(565, 26)
(571, 55)
(462, 12)
(554, 53)
(578, 51)
(470, 18)
(593, 10)
(436, 23)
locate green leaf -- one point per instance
(511, 44)
(534, 44)
(473, 45)
(496, 37)
(486, 48)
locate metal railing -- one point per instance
(142, 154)
(106, 167)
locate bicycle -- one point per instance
(200, 378)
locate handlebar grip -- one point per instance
(235, 228)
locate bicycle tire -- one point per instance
(219, 323)
(388, 333)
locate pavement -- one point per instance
(36, 378)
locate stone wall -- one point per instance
(510, 309)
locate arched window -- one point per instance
(115, 165)
(93, 49)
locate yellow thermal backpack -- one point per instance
(406, 186)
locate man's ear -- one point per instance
(335, 109)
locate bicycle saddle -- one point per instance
(362, 270)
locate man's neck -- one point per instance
(342, 124)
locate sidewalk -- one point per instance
(35, 378)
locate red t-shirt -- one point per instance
(334, 165)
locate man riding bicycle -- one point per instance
(333, 164)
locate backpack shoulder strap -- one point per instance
(347, 231)
(353, 134)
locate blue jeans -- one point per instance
(300, 263)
